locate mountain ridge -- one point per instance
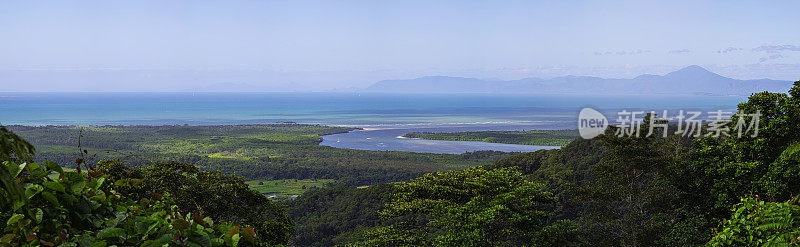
(690, 80)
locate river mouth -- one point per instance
(390, 139)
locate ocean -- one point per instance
(384, 116)
(355, 109)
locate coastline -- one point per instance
(410, 138)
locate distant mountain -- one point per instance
(692, 80)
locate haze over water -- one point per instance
(386, 116)
(352, 109)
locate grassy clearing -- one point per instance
(285, 188)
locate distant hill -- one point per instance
(692, 80)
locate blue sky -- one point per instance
(298, 44)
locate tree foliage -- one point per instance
(13, 147)
(76, 209)
(754, 222)
(763, 165)
(209, 193)
(530, 137)
(336, 215)
(44, 204)
(475, 207)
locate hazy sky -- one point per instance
(318, 45)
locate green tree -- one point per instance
(37, 209)
(632, 196)
(473, 207)
(209, 193)
(757, 223)
(13, 147)
(765, 164)
(335, 215)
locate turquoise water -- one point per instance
(385, 116)
(549, 111)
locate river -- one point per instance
(388, 139)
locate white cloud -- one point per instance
(729, 49)
(772, 57)
(622, 53)
(679, 51)
(777, 48)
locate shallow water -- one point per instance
(393, 114)
(324, 108)
(388, 140)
